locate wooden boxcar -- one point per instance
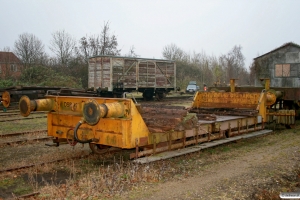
(111, 76)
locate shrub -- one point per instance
(46, 76)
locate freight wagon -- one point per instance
(111, 76)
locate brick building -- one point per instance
(10, 65)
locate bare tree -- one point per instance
(89, 46)
(132, 53)
(103, 44)
(172, 52)
(29, 49)
(233, 63)
(62, 45)
(108, 43)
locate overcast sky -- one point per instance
(210, 26)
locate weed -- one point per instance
(5, 183)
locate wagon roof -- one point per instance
(132, 58)
(282, 46)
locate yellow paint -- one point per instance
(225, 100)
(120, 127)
(239, 100)
(232, 85)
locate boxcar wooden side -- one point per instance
(113, 75)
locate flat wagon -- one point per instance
(111, 76)
(149, 129)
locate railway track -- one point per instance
(23, 137)
(17, 113)
(23, 133)
(26, 140)
(151, 158)
(15, 119)
(104, 151)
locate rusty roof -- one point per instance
(282, 46)
(8, 57)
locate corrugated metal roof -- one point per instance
(282, 46)
(132, 58)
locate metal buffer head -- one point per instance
(5, 99)
(26, 105)
(273, 96)
(92, 111)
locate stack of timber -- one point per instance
(159, 118)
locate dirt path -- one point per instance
(255, 168)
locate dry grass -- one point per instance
(108, 176)
(92, 179)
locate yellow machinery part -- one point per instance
(234, 100)
(5, 99)
(26, 105)
(119, 125)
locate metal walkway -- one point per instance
(191, 149)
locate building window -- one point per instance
(13, 68)
(282, 70)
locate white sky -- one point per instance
(210, 26)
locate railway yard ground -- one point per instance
(255, 168)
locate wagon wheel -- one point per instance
(98, 148)
(148, 95)
(289, 126)
(160, 95)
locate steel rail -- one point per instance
(58, 160)
(23, 133)
(22, 141)
(21, 118)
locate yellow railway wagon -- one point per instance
(122, 123)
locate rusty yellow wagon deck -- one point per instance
(122, 123)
